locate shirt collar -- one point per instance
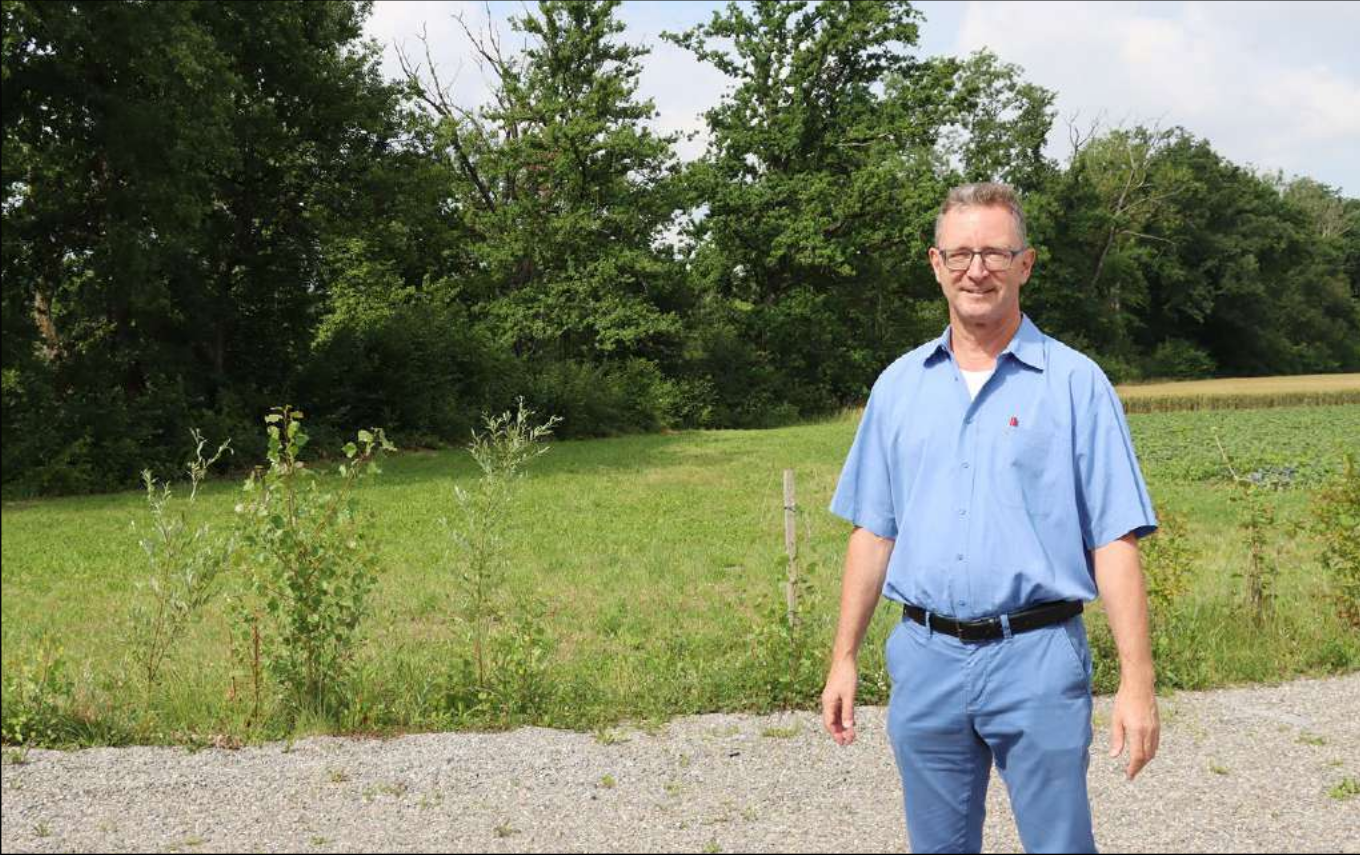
(1027, 345)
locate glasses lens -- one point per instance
(958, 259)
(996, 260)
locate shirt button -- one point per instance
(962, 512)
(965, 466)
(959, 557)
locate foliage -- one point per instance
(1168, 558)
(1168, 564)
(1179, 359)
(1310, 443)
(502, 451)
(185, 562)
(311, 570)
(1336, 522)
(209, 207)
(170, 173)
(38, 696)
(1262, 569)
(820, 188)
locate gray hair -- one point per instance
(983, 194)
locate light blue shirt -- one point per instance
(995, 502)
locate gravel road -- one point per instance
(1257, 769)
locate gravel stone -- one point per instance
(1239, 770)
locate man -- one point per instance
(994, 490)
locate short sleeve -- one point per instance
(1112, 499)
(864, 494)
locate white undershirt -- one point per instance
(975, 380)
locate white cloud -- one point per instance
(1274, 85)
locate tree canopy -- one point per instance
(212, 208)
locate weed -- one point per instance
(185, 561)
(1348, 789)
(782, 732)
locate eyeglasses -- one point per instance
(995, 260)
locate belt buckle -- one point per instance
(979, 630)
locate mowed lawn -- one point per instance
(660, 561)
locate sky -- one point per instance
(1271, 85)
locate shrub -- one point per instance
(1177, 359)
(1336, 522)
(311, 570)
(185, 560)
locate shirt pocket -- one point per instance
(1024, 473)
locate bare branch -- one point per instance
(437, 98)
(1078, 138)
(1132, 233)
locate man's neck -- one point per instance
(976, 346)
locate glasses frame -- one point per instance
(973, 253)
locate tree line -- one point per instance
(213, 208)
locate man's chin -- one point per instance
(978, 312)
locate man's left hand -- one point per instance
(1134, 721)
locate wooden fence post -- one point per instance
(791, 546)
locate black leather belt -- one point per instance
(988, 628)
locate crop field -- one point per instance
(1244, 393)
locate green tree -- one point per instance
(172, 174)
(999, 125)
(820, 183)
(565, 190)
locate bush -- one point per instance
(424, 371)
(605, 399)
(100, 439)
(184, 557)
(1116, 368)
(1336, 522)
(477, 561)
(1177, 359)
(311, 570)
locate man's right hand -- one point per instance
(838, 702)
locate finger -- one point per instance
(1152, 741)
(829, 710)
(848, 717)
(1116, 737)
(1137, 755)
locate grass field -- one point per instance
(659, 560)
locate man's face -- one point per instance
(978, 295)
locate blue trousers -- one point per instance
(1023, 702)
